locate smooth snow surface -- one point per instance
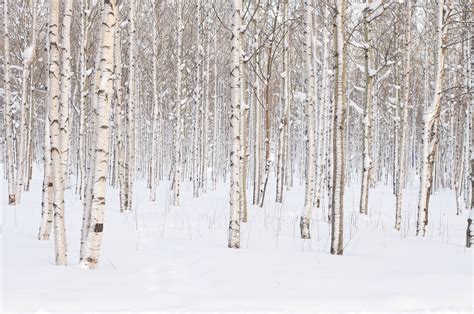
(161, 258)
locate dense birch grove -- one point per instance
(254, 95)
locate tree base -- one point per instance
(469, 234)
(305, 228)
(234, 234)
(11, 199)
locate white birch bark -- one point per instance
(84, 6)
(258, 139)
(284, 120)
(207, 88)
(66, 74)
(235, 178)
(337, 210)
(198, 104)
(324, 122)
(155, 126)
(47, 192)
(367, 120)
(8, 110)
(31, 107)
(179, 119)
(94, 239)
(244, 116)
(470, 223)
(54, 122)
(431, 120)
(132, 102)
(90, 171)
(28, 56)
(404, 122)
(305, 220)
(120, 110)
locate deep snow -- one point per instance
(162, 258)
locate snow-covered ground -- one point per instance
(161, 258)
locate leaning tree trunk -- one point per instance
(431, 120)
(305, 219)
(94, 238)
(55, 129)
(337, 208)
(235, 177)
(404, 123)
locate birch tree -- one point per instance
(55, 129)
(66, 74)
(404, 121)
(470, 224)
(284, 120)
(26, 104)
(179, 102)
(155, 127)
(94, 238)
(8, 114)
(84, 38)
(235, 180)
(130, 163)
(305, 219)
(431, 120)
(337, 245)
(367, 121)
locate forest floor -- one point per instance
(162, 258)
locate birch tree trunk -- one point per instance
(244, 116)
(198, 103)
(305, 220)
(26, 104)
(84, 5)
(283, 129)
(404, 122)
(154, 151)
(90, 171)
(235, 178)
(55, 129)
(8, 110)
(337, 245)
(120, 111)
(367, 121)
(105, 93)
(178, 117)
(66, 75)
(207, 88)
(267, 104)
(130, 164)
(321, 143)
(470, 223)
(431, 120)
(47, 192)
